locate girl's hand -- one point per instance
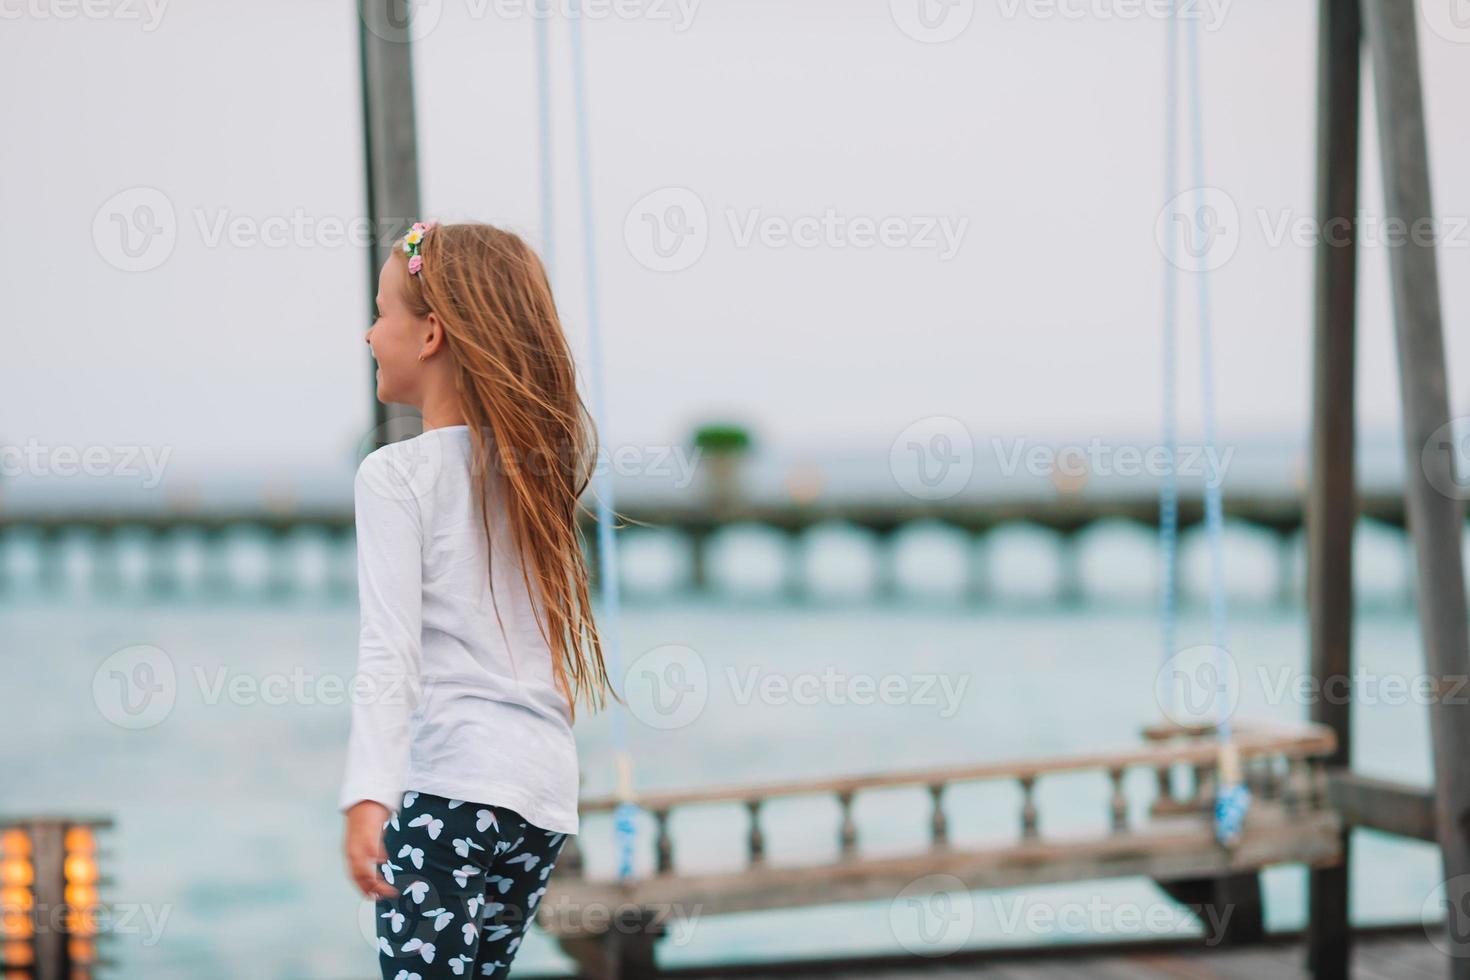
(364, 847)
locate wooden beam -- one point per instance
(1332, 505)
(1167, 851)
(1251, 740)
(1436, 519)
(391, 159)
(1381, 804)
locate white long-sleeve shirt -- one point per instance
(449, 700)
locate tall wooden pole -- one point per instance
(1436, 518)
(48, 891)
(385, 34)
(1332, 498)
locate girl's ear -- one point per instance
(433, 337)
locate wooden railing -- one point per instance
(1282, 766)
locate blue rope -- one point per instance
(1214, 510)
(543, 102)
(1232, 797)
(624, 816)
(1169, 492)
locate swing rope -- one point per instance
(1232, 799)
(543, 133)
(1169, 491)
(624, 816)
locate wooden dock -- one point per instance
(1395, 953)
(612, 928)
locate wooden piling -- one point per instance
(391, 157)
(1331, 497)
(1435, 515)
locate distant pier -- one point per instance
(164, 554)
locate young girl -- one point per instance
(477, 637)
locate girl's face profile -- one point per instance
(397, 338)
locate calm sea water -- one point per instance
(227, 837)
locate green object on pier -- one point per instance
(722, 438)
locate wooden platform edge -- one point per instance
(1069, 953)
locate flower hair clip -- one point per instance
(413, 245)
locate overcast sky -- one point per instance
(879, 226)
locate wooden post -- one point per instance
(391, 159)
(977, 566)
(664, 844)
(622, 950)
(756, 842)
(1436, 518)
(847, 833)
(1030, 817)
(1070, 591)
(1285, 567)
(1332, 494)
(698, 536)
(1118, 804)
(938, 824)
(1231, 908)
(48, 858)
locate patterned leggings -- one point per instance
(468, 878)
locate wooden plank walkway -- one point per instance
(1174, 845)
(1389, 954)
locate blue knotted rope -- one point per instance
(625, 815)
(1232, 799)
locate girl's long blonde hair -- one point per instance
(528, 424)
